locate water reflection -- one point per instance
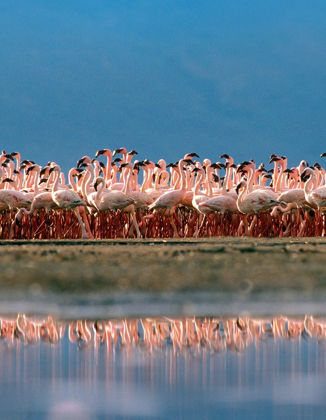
(214, 334)
(225, 367)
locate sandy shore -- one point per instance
(241, 265)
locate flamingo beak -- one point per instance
(238, 188)
(99, 152)
(116, 151)
(80, 162)
(31, 168)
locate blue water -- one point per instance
(267, 379)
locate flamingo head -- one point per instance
(190, 156)
(55, 168)
(8, 156)
(126, 165)
(239, 187)
(105, 152)
(30, 169)
(77, 171)
(216, 165)
(216, 178)
(7, 180)
(243, 166)
(187, 162)
(84, 159)
(98, 182)
(274, 158)
(304, 176)
(44, 170)
(122, 150)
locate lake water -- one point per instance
(180, 367)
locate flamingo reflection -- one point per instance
(216, 335)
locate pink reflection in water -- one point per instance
(214, 334)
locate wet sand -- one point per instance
(244, 265)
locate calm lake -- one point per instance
(162, 367)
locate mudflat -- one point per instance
(242, 265)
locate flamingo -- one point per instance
(12, 199)
(67, 199)
(114, 200)
(141, 199)
(171, 199)
(253, 202)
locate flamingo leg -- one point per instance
(84, 233)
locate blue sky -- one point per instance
(164, 78)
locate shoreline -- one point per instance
(124, 278)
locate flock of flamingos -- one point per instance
(129, 198)
(217, 335)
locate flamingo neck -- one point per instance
(198, 183)
(17, 161)
(108, 168)
(309, 185)
(19, 178)
(157, 180)
(127, 187)
(250, 183)
(96, 169)
(144, 183)
(188, 181)
(175, 176)
(29, 180)
(275, 175)
(86, 185)
(148, 182)
(56, 182)
(50, 180)
(11, 169)
(225, 183)
(229, 177)
(72, 180)
(36, 178)
(262, 182)
(62, 179)
(322, 181)
(280, 183)
(295, 177)
(99, 192)
(114, 178)
(209, 172)
(183, 176)
(177, 182)
(241, 196)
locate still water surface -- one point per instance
(226, 368)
